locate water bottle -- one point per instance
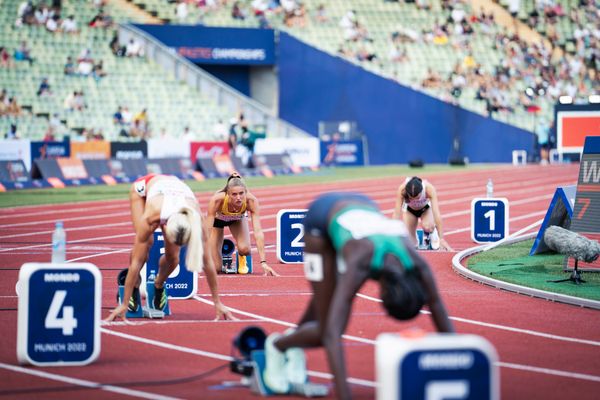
(489, 188)
(59, 243)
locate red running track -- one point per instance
(547, 350)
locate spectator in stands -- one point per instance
(165, 202)
(134, 49)
(12, 132)
(542, 131)
(44, 88)
(417, 199)
(23, 53)
(4, 101)
(69, 68)
(98, 71)
(321, 14)
(101, 20)
(14, 109)
(237, 12)
(187, 135)
(220, 131)
(348, 242)
(181, 11)
(115, 46)
(5, 58)
(69, 25)
(52, 24)
(230, 207)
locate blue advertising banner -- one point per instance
(200, 44)
(46, 150)
(342, 153)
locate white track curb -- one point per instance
(561, 298)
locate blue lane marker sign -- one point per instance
(489, 219)
(59, 314)
(181, 284)
(436, 366)
(290, 235)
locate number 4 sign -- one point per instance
(290, 236)
(489, 219)
(59, 314)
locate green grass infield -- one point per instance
(513, 264)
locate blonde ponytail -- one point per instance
(195, 251)
(184, 228)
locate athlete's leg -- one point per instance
(411, 221)
(312, 324)
(215, 245)
(241, 234)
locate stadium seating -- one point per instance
(132, 82)
(381, 19)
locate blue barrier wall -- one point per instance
(401, 124)
(200, 44)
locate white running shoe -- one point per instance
(295, 368)
(274, 374)
(434, 240)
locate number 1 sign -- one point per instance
(489, 219)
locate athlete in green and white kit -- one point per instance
(347, 241)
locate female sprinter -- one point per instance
(417, 199)
(166, 202)
(230, 207)
(348, 241)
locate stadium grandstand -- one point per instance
(66, 71)
(463, 52)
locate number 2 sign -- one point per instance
(290, 236)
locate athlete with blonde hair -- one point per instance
(230, 207)
(167, 202)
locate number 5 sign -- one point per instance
(290, 236)
(489, 219)
(59, 314)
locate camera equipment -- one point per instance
(227, 255)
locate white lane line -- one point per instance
(85, 383)
(504, 327)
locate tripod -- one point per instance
(575, 276)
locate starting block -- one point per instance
(141, 311)
(242, 265)
(435, 366)
(258, 386)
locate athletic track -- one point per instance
(547, 350)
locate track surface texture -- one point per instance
(546, 350)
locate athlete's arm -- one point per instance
(259, 236)
(139, 253)
(437, 218)
(211, 277)
(348, 284)
(399, 203)
(439, 314)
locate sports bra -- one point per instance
(225, 215)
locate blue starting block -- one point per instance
(141, 311)
(258, 386)
(227, 255)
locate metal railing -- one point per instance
(223, 95)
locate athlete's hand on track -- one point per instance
(119, 311)
(445, 246)
(223, 311)
(268, 271)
